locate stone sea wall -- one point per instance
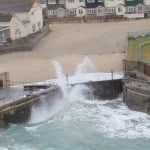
(105, 90)
(24, 44)
(19, 111)
(137, 96)
(136, 88)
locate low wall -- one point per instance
(19, 110)
(24, 44)
(104, 90)
(88, 19)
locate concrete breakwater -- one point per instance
(19, 111)
(104, 90)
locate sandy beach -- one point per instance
(104, 44)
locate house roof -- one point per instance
(81, 7)
(15, 5)
(133, 2)
(94, 4)
(5, 18)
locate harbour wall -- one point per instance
(137, 96)
(136, 87)
(19, 111)
(105, 90)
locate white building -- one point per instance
(55, 8)
(95, 8)
(29, 12)
(116, 7)
(75, 7)
(80, 11)
(147, 7)
(72, 4)
(134, 9)
(100, 11)
(147, 2)
(12, 28)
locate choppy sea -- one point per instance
(75, 123)
(82, 125)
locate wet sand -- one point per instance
(104, 44)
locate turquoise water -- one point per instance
(83, 125)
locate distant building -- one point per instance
(115, 7)
(147, 8)
(147, 2)
(75, 8)
(55, 8)
(11, 28)
(29, 13)
(43, 3)
(111, 8)
(134, 9)
(81, 11)
(95, 8)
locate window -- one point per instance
(71, 12)
(51, 1)
(80, 1)
(80, 11)
(90, 1)
(130, 9)
(52, 12)
(2, 36)
(17, 31)
(100, 10)
(100, 1)
(39, 24)
(119, 9)
(111, 10)
(61, 2)
(33, 27)
(140, 9)
(91, 11)
(148, 8)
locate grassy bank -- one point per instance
(133, 49)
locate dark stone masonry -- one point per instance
(19, 110)
(136, 88)
(137, 96)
